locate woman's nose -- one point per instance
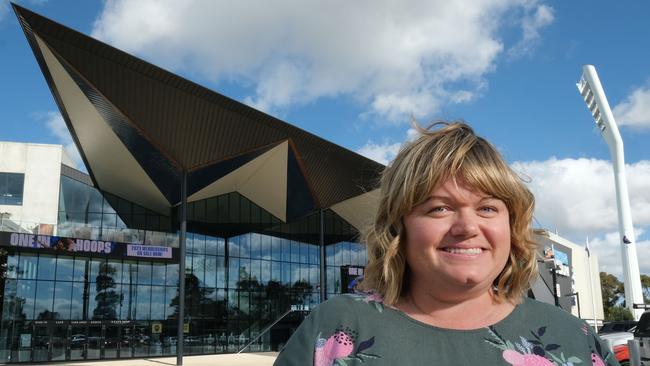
(465, 224)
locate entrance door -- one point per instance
(95, 341)
(126, 345)
(141, 337)
(111, 341)
(59, 342)
(41, 344)
(78, 342)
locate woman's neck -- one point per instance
(469, 312)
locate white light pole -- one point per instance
(593, 94)
(591, 287)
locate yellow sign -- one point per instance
(186, 327)
(156, 328)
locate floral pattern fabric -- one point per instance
(354, 330)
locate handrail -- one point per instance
(267, 328)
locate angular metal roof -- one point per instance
(138, 127)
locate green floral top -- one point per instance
(360, 330)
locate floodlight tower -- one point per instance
(593, 94)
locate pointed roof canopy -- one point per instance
(139, 127)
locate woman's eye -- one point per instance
(438, 209)
(488, 209)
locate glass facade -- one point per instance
(11, 188)
(244, 270)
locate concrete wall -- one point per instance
(41, 165)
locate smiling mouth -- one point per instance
(463, 250)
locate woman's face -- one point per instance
(458, 241)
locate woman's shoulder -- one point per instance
(550, 314)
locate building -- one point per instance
(576, 276)
(273, 215)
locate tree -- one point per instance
(619, 313)
(612, 290)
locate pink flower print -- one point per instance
(339, 345)
(596, 360)
(374, 297)
(517, 359)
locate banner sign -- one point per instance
(52, 243)
(148, 251)
(560, 259)
(60, 243)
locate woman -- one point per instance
(450, 258)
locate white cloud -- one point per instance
(57, 127)
(381, 153)
(386, 151)
(395, 58)
(538, 18)
(634, 111)
(577, 198)
(608, 249)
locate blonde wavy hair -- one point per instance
(446, 151)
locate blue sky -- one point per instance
(354, 73)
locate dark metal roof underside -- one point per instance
(191, 126)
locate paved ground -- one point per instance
(243, 359)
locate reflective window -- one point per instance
(276, 249)
(157, 302)
(171, 278)
(266, 272)
(127, 304)
(295, 251)
(62, 296)
(144, 273)
(211, 245)
(158, 273)
(171, 301)
(233, 272)
(10, 301)
(25, 294)
(142, 311)
(11, 188)
(76, 302)
(27, 266)
(256, 246)
(95, 264)
(64, 269)
(44, 300)
(210, 271)
(221, 272)
(286, 250)
(12, 266)
(198, 268)
(244, 246)
(233, 247)
(80, 269)
(129, 272)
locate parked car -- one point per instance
(622, 353)
(617, 338)
(617, 326)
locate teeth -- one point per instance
(463, 251)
